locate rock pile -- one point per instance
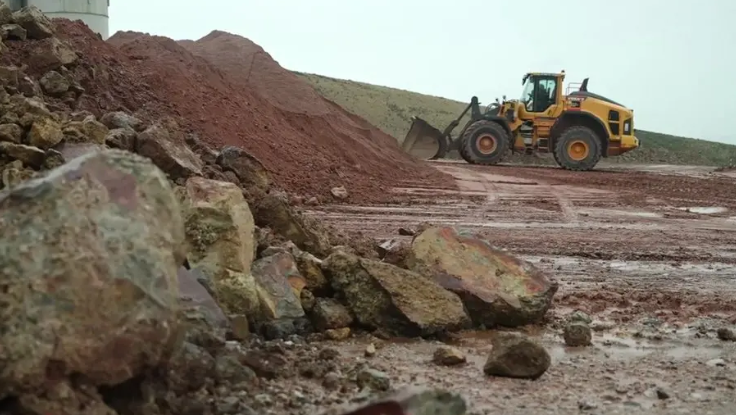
(143, 270)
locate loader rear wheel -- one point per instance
(484, 142)
(578, 148)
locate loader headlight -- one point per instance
(627, 127)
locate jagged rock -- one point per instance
(98, 296)
(6, 14)
(95, 131)
(516, 356)
(272, 212)
(384, 296)
(35, 22)
(164, 144)
(11, 132)
(45, 133)
(250, 170)
(122, 138)
(496, 287)
(394, 252)
(310, 267)
(13, 32)
(73, 133)
(448, 356)
(277, 277)
(30, 156)
(239, 327)
(120, 119)
(328, 313)
(52, 54)
(54, 83)
(219, 228)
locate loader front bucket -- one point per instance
(424, 141)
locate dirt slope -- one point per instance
(308, 143)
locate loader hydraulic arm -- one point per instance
(473, 107)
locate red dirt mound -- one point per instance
(231, 92)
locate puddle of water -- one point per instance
(705, 210)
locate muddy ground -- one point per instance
(647, 251)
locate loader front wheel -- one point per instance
(484, 142)
(578, 148)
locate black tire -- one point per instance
(470, 149)
(564, 153)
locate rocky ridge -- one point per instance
(145, 272)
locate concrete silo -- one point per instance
(92, 12)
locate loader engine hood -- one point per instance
(587, 94)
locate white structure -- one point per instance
(92, 12)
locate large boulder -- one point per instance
(220, 235)
(89, 256)
(384, 296)
(279, 286)
(496, 288)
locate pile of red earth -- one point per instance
(229, 91)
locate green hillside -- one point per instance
(391, 110)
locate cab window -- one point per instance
(545, 94)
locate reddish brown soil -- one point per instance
(229, 91)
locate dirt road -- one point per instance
(647, 251)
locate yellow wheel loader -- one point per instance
(577, 127)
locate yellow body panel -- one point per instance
(618, 133)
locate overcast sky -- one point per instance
(671, 61)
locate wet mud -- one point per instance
(647, 251)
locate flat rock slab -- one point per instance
(496, 287)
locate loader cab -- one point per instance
(540, 91)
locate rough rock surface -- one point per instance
(220, 236)
(387, 297)
(328, 313)
(276, 277)
(89, 257)
(165, 145)
(496, 288)
(516, 356)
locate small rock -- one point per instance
(339, 192)
(662, 394)
(577, 334)
(54, 83)
(122, 138)
(121, 120)
(448, 356)
(579, 316)
(723, 333)
(278, 329)
(239, 327)
(331, 381)
(516, 356)
(328, 353)
(338, 334)
(373, 379)
(328, 314)
(407, 232)
(53, 159)
(370, 350)
(95, 130)
(229, 369)
(45, 133)
(308, 300)
(11, 132)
